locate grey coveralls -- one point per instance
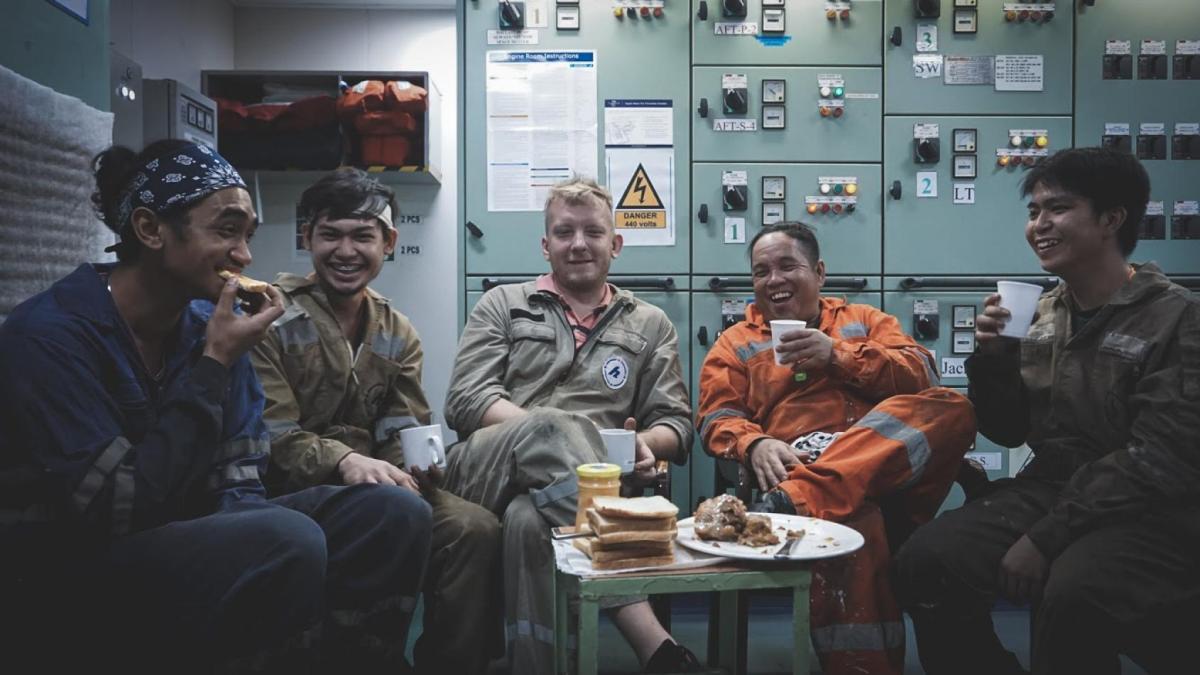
(519, 346)
(1111, 498)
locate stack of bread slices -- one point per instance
(629, 532)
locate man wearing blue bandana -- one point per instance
(132, 513)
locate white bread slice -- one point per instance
(594, 550)
(602, 524)
(635, 507)
(626, 563)
(607, 540)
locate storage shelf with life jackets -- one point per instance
(305, 120)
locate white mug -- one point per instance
(422, 447)
(621, 445)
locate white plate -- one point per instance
(822, 539)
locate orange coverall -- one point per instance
(902, 440)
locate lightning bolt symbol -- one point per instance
(640, 188)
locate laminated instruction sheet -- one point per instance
(541, 124)
(639, 159)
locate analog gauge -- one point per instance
(964, 140)
(774, 91)
(774, 188)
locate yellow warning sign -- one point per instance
(640, 206)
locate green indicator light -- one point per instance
(837, 189)
(838, 91)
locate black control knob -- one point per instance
(511, 16)
(926, 150)
(927, 9)
(734, 198)
(733, 8)
(735, 101)
(925, 327)
(1187, 67)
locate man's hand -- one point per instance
(644, 460)
(229, 335)
(771, 460)
(805, 349)
(1023, 571)
(428, 481)
(355, 468)
(989, 324)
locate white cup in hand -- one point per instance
(1020, 299)
(621, 445)
(778, 328)
(422, 447)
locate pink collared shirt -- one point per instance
(581, 327)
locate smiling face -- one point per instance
(348, 253)
(216, 237)
(1066, 233)
(580, 244)
(787, 285)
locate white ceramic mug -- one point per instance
(1020, 299)
(778, 328)
(422, 447)
(621, 445)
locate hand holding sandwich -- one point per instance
(229, 334)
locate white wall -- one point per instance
(174, 39)
(423, 286)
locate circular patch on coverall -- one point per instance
(616, 372)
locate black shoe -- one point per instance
(671, 657)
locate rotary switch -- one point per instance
(927, 9)
(733, 8)
(926, 150)
(734, 198)
(735, 101)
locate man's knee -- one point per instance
(566, 431)
(402, 514)
(921, 566)
(526, 532)
(465, 525)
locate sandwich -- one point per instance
(245, 283)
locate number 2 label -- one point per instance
(927, 184)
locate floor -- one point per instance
(770, 635)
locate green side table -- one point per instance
(725, 580)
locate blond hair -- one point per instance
(578, 190)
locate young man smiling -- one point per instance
(540, 367)
(132, 448)
(342, 374)
(1101, 529)
(851, 428)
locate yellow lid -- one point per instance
(598, 471)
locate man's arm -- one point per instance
(59, 408)
(886, 363)
(727, 428)
(662, 408)
(477, 381)
(406, 405)
(994, 382)
(303, 458)
(1159, 467)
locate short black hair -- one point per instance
(796, 230)
(346, 192)
(1105, 177)
(113, 169)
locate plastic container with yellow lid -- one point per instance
(596, 480)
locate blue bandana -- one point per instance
(177, 179)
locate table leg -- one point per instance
(589, 625)
(729, 636)
(562, 630)
(800, 637)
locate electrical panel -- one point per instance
(968, 57)
(1137, 66)
(899, 129)
(840, 201)
(961, 214)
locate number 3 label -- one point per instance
(927, 184)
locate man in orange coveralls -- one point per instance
(859, 394)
